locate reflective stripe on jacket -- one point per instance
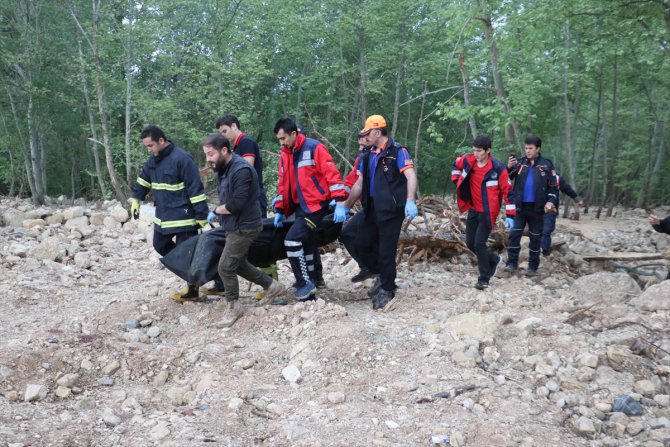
(178, 192)
(496, 186)
(308, 166)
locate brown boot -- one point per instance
(276, 289)
(232, 313)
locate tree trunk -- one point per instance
(24, 150)
(129, 90)
(511, 129)
(566, 108)
(596, 140)
(396, 99)
(362, 71)
(91, 121)
(613, 142)
(466, 93)
(100, 91)
(418, 128)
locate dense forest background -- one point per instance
(81, 78)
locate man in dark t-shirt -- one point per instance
(247, 148)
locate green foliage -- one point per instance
(331, 62)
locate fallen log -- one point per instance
(624, 256)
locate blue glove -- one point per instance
(279, 220)
(341, 213)
(274, 201)
(332, 204)
(411, 210)
(509, 222)
(211, 217)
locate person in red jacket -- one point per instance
(308, 181)
(482, 184)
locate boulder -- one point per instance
(78, 223)
(655, 298)
(119, 214)
(471, 325)
(13, 218)
(611, 288)
(48, 250)
(74, 212)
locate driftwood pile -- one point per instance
(439, 232)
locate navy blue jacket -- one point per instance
(544, 181)
(178, 192)
(664, 226)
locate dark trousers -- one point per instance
(348, 237)
(534, 219)
(548, 227)
(301, 251)
(263, 203)
(477, 231)
(377, 246)
(164, 243)
(234, 262)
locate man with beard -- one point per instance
(240, 217)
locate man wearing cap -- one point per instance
(308, 181)
(388, 189)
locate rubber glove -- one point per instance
(211, 217)
(201, 223)
(411, 210)
(279, 220)
(135, 208)
(332, 204)
(274, 201)
(341, 213)
(509, 222)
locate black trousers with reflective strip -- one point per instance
(535, 220)
(301, 251)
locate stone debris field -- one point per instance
(94, 353)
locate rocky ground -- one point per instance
(93, 353)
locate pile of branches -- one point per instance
(440, 233)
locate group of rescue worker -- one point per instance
(310, 187)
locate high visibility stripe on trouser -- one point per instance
(526, 215)
(298, 261)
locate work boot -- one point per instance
(232, 313)
(482, 285)
(382, 298)
(509, 267)
(362, 275)
(216, 289)
(496, 265)
(188, 294)
(530, 272)
(372, 291)
(320, 283)
(276, 289)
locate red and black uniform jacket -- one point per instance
(308, 177)
(495, 187)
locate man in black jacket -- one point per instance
(240, 217)
(388, 186)
(181, 204)
(662, 226)
(534, 193)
